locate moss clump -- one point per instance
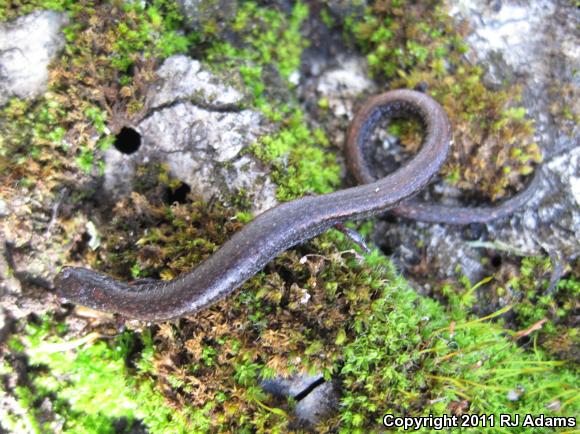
(356, 321)
(553, 312)
(31, 137)
(170, 237)
(413, 357)
(411, 44)
(565, 108)
(85, 385)
(300, 161)
(267, 48)
(11, 9)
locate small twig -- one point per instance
(498, 245)
(54, 214)
(64, 346)
(537, 326)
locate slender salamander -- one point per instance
(295, 222)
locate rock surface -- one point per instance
(316, 398)
(340, 84)
(291, 387)
(181, 78)
(27, 46)
(195, 126)
(318, 404)
(28, 255)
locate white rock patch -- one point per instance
(27, 46)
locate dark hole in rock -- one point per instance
(473, 232)
(387, 249)
(127, 141)
(389, 218)
(80, 245)
(422, 87)
(496, 261)
(130, 71)
(126, 425)
(178, 194)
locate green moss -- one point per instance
(11, 9)
(266, 40)
(31, 137)
(273, 39)
(89, 385)
(553, 310)
(149, 31)
(409, 346)
(300, 160)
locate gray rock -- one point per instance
(8, 282)
(318, 404)
(340, 84)
(290, 387)
(195, 128)
(4, 325)
(181, 77)
(507, 28)
(29, 253)
(316, 398)
(536, 44)
(337, 80)
(3, 208)
(27, 46)
(551, 222)
(540, 43)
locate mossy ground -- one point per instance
(321, 307)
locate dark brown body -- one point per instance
(292, 223)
